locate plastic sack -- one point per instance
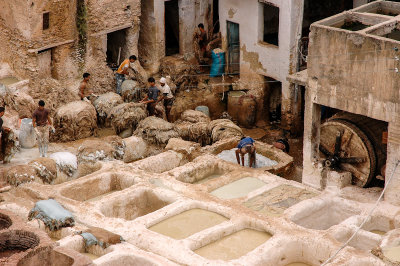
(27, 137)
(218, 63)
(204, 110)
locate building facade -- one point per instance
(264, 41)
(353, 66)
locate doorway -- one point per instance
(215, 16)
(272, 100)
(45, 63)
(171, 27)
(116, 48)
(233, 48)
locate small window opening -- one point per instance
(271, 24)
(46, 20)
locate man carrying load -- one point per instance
(123, 70)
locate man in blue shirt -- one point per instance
(246, 145)
(152, 97)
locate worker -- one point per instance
(282, 144)
(41, 123)
(201, 45)
(4, 131)
(166, 95)
(151, 97)
(123, 70)
(84, 92)
(246, 145)
(202, 39)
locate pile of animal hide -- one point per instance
(223, 129)
(156, 130)
(104, 104)
(75, 120)
(127, 116)
(193, 126)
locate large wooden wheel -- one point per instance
(344, 146)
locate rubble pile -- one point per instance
(52, 93)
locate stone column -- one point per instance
(187, 25)
(392, 194)
(312, 172)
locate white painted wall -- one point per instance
(275, 60)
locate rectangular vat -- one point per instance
(202, 174)
(188, 223)
(96, 188)
(129, 206)
(238, 188)
(275, 201)
(234, 246)
(325, 215)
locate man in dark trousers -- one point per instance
(4, 131)
(41, 123)
(151, 97)
(246, 145)
(123, 70)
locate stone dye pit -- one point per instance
(239, 188)
(8, 80)
(261, 161)
(188, 223)
(129, 206)
(275, 201)
(234, 246)
(183, 215)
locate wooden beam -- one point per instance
(49, 46)
(104, 32)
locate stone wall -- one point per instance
(353, 71)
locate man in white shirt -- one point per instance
(166, 95)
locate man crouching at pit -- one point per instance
(246, 145)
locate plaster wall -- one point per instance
(260, 58)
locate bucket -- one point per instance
(203, 109)
(27, 138)
(233, 103)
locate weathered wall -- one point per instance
(106, 16)
(152, 30)
(62, 22)
(257, 57)
(21, 30)
(355, 73)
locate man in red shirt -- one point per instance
(41, 123)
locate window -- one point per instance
(270, 24)
(46, 20)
